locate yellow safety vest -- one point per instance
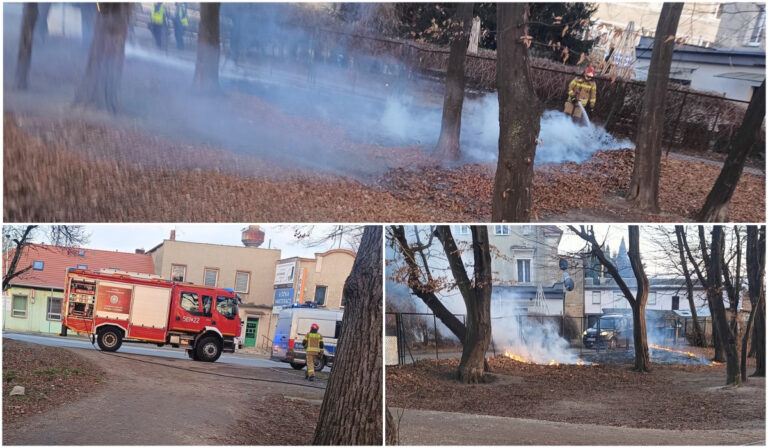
(183, 15)
(158, 14)
(313, 342)
(583, 90)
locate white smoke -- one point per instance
(532, 338)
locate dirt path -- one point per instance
(419, 427)
(152, 401)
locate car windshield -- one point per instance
(608, 323)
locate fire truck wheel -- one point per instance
(297, 366)
(110, 339)
(208, 349)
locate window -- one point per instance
(81, 253)
(38, 265)
(758, 31)
(462, 230)
(19, 308)
(178, 272)
(527, 230)
(207, 302)
(524, 271)
(54, 308)
(596, 297)
(501, 230)
(82, 266)
(337, 334)
(226, 306)
(651, 298)
(190, 303)
(320, 295)
(211, 277)
(242, 281)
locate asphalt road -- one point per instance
(142, 349)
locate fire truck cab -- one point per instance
(113, 306)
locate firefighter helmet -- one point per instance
(589, 73)
(314, 327)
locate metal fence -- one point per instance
(420, 336)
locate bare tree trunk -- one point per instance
(208, 48)
(393, 436)
(642, 358)
(755, 280)
(519, 118)
(707, 283)
(25, 45)
(727, 338)
(477, 299)
(88, 13)
(100, 87)
(425, 291)
(448, 145)
(715, 208)
(351, 409)
(644, 187)
(41, 27)
(698, 335)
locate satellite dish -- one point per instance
(568, 283)
(563, 264)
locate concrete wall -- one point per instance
(36, 319)
(526, 242)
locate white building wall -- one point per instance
(615, 299)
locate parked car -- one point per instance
(292, 327)
(612, 329)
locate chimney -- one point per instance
(253, 236)
(173, 235)
(140, 251)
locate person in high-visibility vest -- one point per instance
(314, 345)
(157, 21)
(180, 24)
(582, 89)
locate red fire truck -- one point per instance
(113, 306)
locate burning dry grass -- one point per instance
(666, 398)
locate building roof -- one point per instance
(656, 283)
(56, 261)
(706, 55)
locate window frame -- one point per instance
(216, 283)
(184, 277)
(501, 230)
(757, 33)
(26, 306)
(48, 308)
(655, 297)
(325, 294)
(82, 266)
(247, 284)
(34, 265)
(463, 230)
(599, 297)
(530, 270)
(199, 311)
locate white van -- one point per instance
(293, 324)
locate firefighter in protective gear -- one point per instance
(581, 90)
(313, 343)
(180, 24)
(157, 23)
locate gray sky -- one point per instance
(129, 237)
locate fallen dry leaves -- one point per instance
(59, 170)
(51, 377)
(666, 398)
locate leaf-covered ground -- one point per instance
(51, 377)
(267, 423)
(69, 170)
(667, 398)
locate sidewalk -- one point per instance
(419, 427)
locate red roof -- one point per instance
(56, 261)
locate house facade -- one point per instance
(318, 281)
(33, 301)
(248, 269)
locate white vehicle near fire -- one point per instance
(293, 324)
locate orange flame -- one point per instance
(666, 349)
(518, 358)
